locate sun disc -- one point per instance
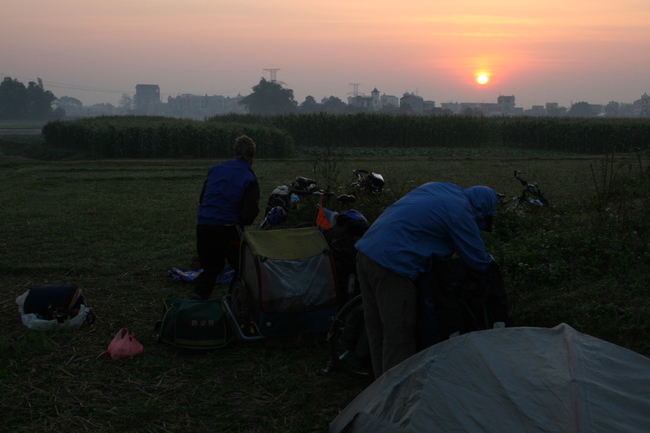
(482, 79)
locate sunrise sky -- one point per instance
(552, 51)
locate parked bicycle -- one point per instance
(367, 183)
(531, 196)
(284, 199)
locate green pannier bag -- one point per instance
(194, 326)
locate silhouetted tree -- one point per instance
(334, 105)
(126, 102)
(20, 102)
(580, 109)
(310, 105)
(13, 99)
(269, 97)
(40, 100)
(69, 105)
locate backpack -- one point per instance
(194, 325)
(279, 197)
(43, 307)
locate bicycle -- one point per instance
(367, 183)
(348, 343)
(284, 198)
(531, 195)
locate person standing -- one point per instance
(432, 222)
(229, 201)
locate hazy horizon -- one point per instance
(562, 52)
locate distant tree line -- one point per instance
(31, 102)
(271, 98)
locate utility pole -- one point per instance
(273, 73)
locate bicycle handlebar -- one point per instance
(319, 192)
(521, 181)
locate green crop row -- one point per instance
(164, 137)
(574, 135)
(161, 137)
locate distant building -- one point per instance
(415, 102)
(507, 103)
(372, 102)
(505, 106)
(147, 98)
(198, 107)
(553, 109)
(388, 100)
(612, 109)
(536, 111)
(640, 106)
(429, 105)
(596, 109)
(452, 107)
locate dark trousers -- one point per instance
(215, 244)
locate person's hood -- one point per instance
(484, 200)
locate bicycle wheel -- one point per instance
(348, 342)
(512, 204)
(240, 307)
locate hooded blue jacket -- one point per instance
(230, 194)
(436, 219)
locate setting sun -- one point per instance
(482, 79)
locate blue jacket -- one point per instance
(436, 219)
(230, 194)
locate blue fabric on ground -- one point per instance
(225, 277)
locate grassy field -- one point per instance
(113, 228)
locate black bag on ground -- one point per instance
(194, 325)
(454, 300)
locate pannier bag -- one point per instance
(194, 325)
(450, 302)
(45, 307)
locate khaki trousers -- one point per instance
(389, 305)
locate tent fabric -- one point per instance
(508, 380)
(286, 244)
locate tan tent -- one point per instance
(508, 380)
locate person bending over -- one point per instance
(434, 220)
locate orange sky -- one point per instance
(554, 51)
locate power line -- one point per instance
(70, 86)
